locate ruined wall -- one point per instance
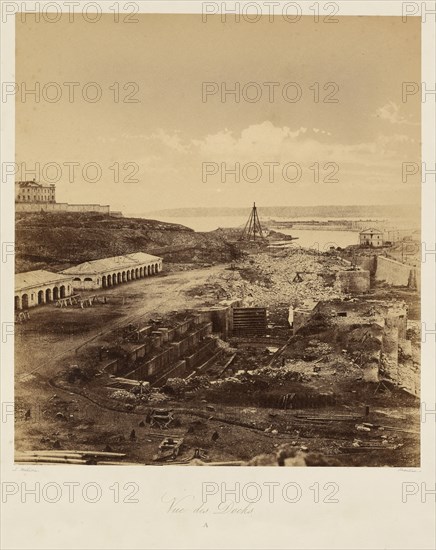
(220, 317)
(354, 282)
(163, 360)
(371, 331)
(390, 346)
(368, 263)
(301, 317)
(392, 272)
(398, 321)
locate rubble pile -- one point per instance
(289, 278)
(182, 386)
(157, 397)
(280, 374)
(123, 395)
(288, 455)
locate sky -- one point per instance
(168, 136)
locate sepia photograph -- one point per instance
(217, 294)
(217, 240)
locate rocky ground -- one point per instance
(267, 279)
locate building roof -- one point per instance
(32, 183)
(143, 257)
(371, 230)
(117, 263)
(32, 279)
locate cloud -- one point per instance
(173, 155)
(266, 142)
(171, 166)
(173, 140)
(257, 140)
(391, 113)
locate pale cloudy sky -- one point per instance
(171, 132)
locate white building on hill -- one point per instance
(371, 237)
(33, 192)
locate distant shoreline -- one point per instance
(356, 212)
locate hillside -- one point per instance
(57, 241)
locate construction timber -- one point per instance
(253, 230)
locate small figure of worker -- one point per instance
(291, 316)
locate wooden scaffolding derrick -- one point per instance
(252, 229)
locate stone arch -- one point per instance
(114, 279)
(62, 291)
(104, 281)
(156, 268)
(17, 302)
(55, 293)
(24, 301)
(48, 295)
(128, 275)
(40, 297)
(109, 280)
(136, 273)
(118, 278)
(123, 276)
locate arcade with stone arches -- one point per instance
(110, 272)
(34, 288)
(119, 277)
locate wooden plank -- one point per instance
(48, 460)
(81, 452)
(228, 363)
